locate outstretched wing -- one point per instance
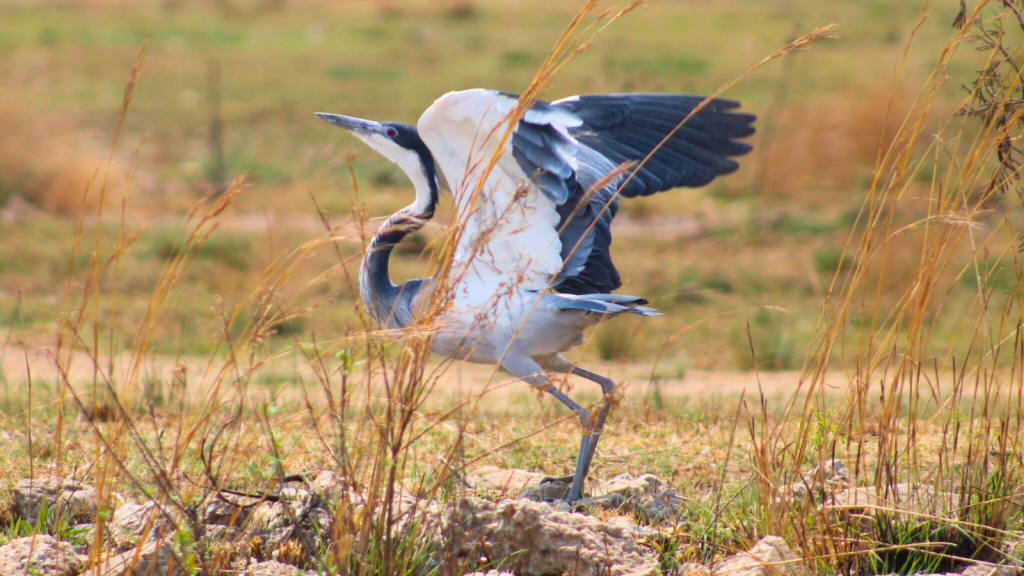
(543, 217)
(620, 128)
(510, 236)
(628, 127)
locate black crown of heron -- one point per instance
(545, 211)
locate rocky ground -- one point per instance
(506, 518)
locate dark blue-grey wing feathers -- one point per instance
(629, 126)
(610, 130)
(590, 218)
(545, 154)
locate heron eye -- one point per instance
(392, 132)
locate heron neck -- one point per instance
(389, 304)
(382, 296)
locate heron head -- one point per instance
(400, 143)
(396, 141)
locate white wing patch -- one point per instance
(509, 242)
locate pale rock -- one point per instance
(150, 559)
(301, 521)
(637, 531)
(797, 491)
(491, 480)
(833, 471)
(40, 555)
(989, 570)
(217, 533)
(611, 502)
(546, 492)
(650, 497)
(295, 523)
(771, 556)
(329, 486)
(220, 512)
(76, 500)
(634, 487)
(557, 542)
(692, 569)
(335, 495)
(979, 570)
(132, 520)
(663, 508)
(274, 568)
(648, 570)
(273, 523)
(413, 513)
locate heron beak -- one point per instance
(357, 126)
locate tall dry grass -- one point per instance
(194, 450)
(931, 508)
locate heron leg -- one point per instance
(607, 387)
(591, 429)
(586, 443)
(528, 369)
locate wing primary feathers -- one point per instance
(630, 126)
(572, 145)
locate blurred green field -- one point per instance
(758, 248)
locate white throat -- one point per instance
(410, 163)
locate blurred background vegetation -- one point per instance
(229, 87)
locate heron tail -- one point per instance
(609, 304)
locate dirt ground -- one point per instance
(286, 376)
